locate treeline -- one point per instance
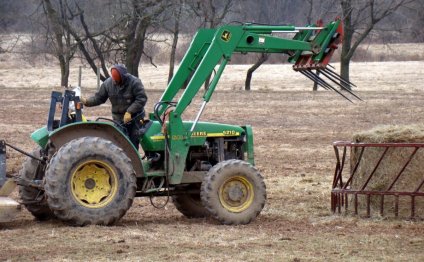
(101, 32)
(404, 25)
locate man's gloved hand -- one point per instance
(127, 117)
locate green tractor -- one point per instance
(88, 172)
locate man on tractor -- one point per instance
(128, 98)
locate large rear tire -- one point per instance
(233, 192)
(90, 180)
(190, 205)
(34, 199)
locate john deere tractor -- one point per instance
(88, 172)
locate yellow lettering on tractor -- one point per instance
(230, 133)
(199, 134)
(177, 137)
(157, 137)
(224, 133)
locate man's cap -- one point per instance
(118, 72)
(116, 76)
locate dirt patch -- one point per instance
(293, 131)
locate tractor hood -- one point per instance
(154, 140)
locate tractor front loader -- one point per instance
(88, 172)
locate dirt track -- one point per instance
(293, 135)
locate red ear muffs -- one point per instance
(116, 76)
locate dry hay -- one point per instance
(389, 168)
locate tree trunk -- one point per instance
(347, 39)
(62, 65)
(54, 21)
(315, 87)
(135, 47)
(135, 37)
(64, 71)
(255, 66)
(344, 68)
(176, 32)
(207, 81)
(172, 57)
(96, 47)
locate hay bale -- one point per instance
(389, 168)
(392, 134)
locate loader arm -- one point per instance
(211, 47)
(311, 48)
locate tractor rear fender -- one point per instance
(63, 135)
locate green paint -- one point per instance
(154, 140)
(323, 39)
(208, 49)
(248, 146)
(41, 136)
(108, 124)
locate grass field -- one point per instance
(293, 127)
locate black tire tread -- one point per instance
(189, 207)
(209, 192)
(56, 183)
(41, 210)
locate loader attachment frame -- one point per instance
(311, 48)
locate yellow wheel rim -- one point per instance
(94, 184)
(236, 194)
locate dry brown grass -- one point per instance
(392, 134)
(390, 52)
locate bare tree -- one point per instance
(62, 44)
(110, 31)
(76, 31)
(121, 38)
(124, 37)
(359, 19)
(177, 12)
(318, 10)
(413, 19)
(263, 57)
(211, 14)
(266, 15)
(144, 14)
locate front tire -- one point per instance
(34, 199)
(233, 192)
(90, 181)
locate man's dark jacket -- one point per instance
(127, 97)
